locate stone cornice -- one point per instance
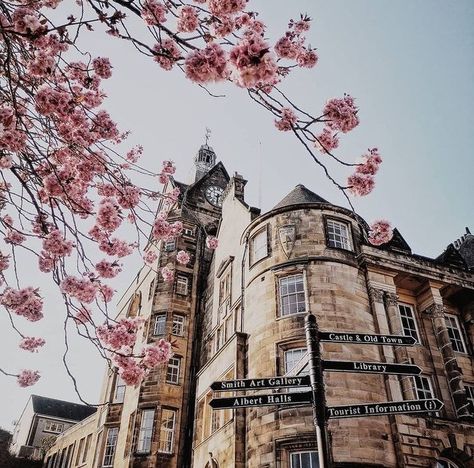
(435, 310)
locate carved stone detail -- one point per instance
(376, 295)
(391, 299)
(435, 310)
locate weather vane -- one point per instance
(208, 134)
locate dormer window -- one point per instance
(338, 234)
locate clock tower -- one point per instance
(204, 161)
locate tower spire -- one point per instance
(205, 158)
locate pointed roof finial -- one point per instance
(208, 135)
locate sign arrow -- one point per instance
(371, 367)
(364, 338)
(257, 384)
(389, 407)
(261, 400)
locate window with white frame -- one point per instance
(188, 232)
(455, 333)
(170, 245)
(146, 431)
(168, 421)
(422, 387)
(292, 358)
(292, 295)
(258, 246)
(182, 285)
(178, 325)
(80, 450)
(224, 287)
(407, 318)
(470, 397)
(172, 372)
(307, 459)
(338, 234)
(109, 450)
(160, 325)
(119, 390)
(86, 448)
(54, 426)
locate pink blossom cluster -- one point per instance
(26, 378)
(157, 353)
(360, 184)
(164, 230)
(380, 232)
(327, 141)
(224, 8)
(150, 257)
(108, 269)
(55, 245)
(371, 163)
(287, 120)
(83, 316)
(108, 214)
(342, 114)
(4, 262)
(188, 20)
(115, 247)
(183, 257)
(83, 289)
(128, 196)
(121, 334)
(27, 21)
(134, 154)
(223, 26)
(253, 62)
(212, 242)
(102, 67)
(167, 273)
(25, 302)
(172, 197)
(30, 343)
(11, 139)
(14, 237)
(154, 12)
(131, 372)
(167, 170)
(206, 65)
(166, 53)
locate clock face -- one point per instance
(214, 195)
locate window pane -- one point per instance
(407, 318)
(454, 332)
(110, 444)
(172, 372)
(178, 325)
(292, 296)
(259, 246)
(160, 324)
(167, 430)
(182, 285)
(146, 431)
(304, 460)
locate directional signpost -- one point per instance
(315, 380)
(381, 409)
(364, 338)
(261, 400)
(371, 367)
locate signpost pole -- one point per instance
(317, 389)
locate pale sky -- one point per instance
(410, 65)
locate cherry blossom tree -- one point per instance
(67, 177)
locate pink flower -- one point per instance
(168, 167)
(4, 262)
(226, 7)
(83, 316)
(116, 336)
(166, 54)
(326, 141)
(380, 232)
(26, 378)
(102, 67)
(188, 20)
(107, 269)
(157, 353)
(183, 257)
(212, 242)
(31, 344)
(168, 274)
(106, 293)
(108, 215)
(342, 114)
(208, 64)
(223, 26)
(153, 12)
(25, 302)
(287, 48)
(371, 163)
(14, 237)
(360, 184)
(287, 121)
(133, 374)
(307, 58)
(150, 257)
(84, 290)
(55, 245)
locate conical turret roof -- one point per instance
(300, 195)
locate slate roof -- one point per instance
(300, 195)
(61, 409)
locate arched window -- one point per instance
(445, 463)
(135, 304)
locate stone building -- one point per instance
(238, 312)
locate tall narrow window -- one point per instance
(338, 234)
(146, 431)
(258, 246)
(79, 450)
(151, 290)
(292, 358)
(470, 397)
(422, 387)
(455, 334)
(119, 389)
(178, 325)
(86, 448)
(304, 460)
(160, 325)
(109, 450)
(168, 421)
(292, 295)
(407, 317)
(172, 372)
(182, 285)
